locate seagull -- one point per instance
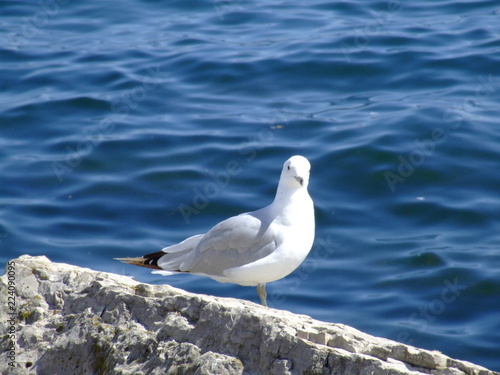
(253, 248)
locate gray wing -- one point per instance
(236, 241)
(175, 255)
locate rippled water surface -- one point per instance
(118, 121)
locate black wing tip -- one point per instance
(155, 255)
(149, 260)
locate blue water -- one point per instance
(126, 126)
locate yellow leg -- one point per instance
(261, 291)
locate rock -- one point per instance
(73, 320)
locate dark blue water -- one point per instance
(128, 126)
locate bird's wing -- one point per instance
(187, 244)
(170, 258)
(234, 242)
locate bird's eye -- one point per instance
(288, 167)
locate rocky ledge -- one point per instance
(71, 320)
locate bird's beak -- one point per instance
(300, 180)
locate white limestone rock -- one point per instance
(73, 320)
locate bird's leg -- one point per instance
(261, 291)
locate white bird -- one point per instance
(253, 248)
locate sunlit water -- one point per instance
(128, 126)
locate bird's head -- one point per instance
(295, 173)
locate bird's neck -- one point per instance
(285, 197)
